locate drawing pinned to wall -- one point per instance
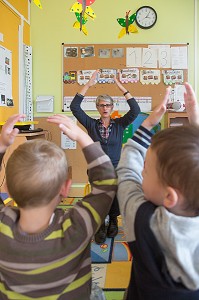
(129, 75)
(37, 2)
(70, 51)
(6, 98)
(149, 58)
(87, 51)
(127, 24)
(106, 76)
(83, 76)
(118, 52)
(176, 98)
(104, 53)
(179, 57)
(82, 11)
(172, 77)
(134, 57)
(163, 53)
(70, 77)
(66, 142)
(150, 76)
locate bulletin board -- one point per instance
(74, 63)
(105, 56)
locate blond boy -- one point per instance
(44, 251)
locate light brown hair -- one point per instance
(35, 172)
(177, 151)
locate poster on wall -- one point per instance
(5, 77)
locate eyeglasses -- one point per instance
(104, 105)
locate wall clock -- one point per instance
(146, 17)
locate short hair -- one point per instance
(177, 151)
(35, 173)
(105, 98)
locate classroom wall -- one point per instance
(22, 6)
(52, 26)
(10, 20)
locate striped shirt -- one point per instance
(56, 263)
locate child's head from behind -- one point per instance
(173, 161)
(35, 173)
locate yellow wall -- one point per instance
(9, 26)
(52, 26)
(21, 6)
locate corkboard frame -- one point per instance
(95, 62)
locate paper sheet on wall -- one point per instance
(163, 55)
(134, 57)
(120, 103)
(67, 143)
(176, 98)
(5, 77)
(149, 58)
(179, 58)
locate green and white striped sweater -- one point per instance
(56, 263)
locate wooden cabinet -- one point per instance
(20, 139)
(176, 119)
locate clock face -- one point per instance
(146, 17)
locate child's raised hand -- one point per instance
(191, 104)
(8, 133)
(73, 131)
(93, 79)
(116, 80)
(158, 112)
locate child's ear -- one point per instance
(65, 188)
(171, 197)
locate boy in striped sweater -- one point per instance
(44, 251)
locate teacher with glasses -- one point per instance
(109, 132)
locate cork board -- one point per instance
(73, 62)
(75, 157)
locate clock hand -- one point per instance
(146, 17)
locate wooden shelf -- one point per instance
(176, 119)
(32, 135)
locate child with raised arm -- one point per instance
(158, 193)
(44, 251)
(8, 133)
(7, 137)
